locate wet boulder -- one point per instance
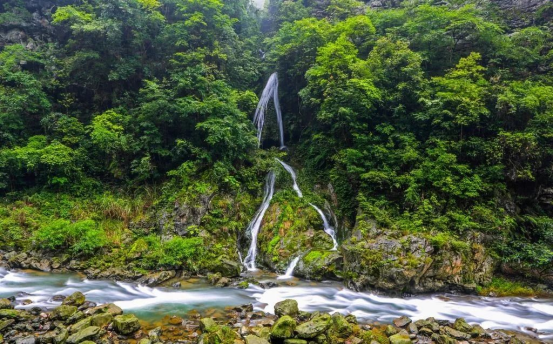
(126, 324)
(402, 321)
(89, 333)
(81, 325)
(227, 268)
(340, 327)
(461, 325)
(287, 307)
(75, 299)
(101, 319)
(5, 304)
(15, 314)
(107, 308)
(284, 328)
(316, 326)
(63, 312)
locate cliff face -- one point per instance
(29, 26)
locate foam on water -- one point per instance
(154, 303)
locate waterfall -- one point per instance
(290, 271)
(255, 224)
(270, 91)
(293, 175)
(327, 228)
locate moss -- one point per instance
(376, 335)
(502, 287)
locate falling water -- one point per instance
(271, 90)
(290, 271)
(294, 178)
(255, 224)
(327, 227)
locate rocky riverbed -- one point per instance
(77, 320)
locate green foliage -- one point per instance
(81, 237)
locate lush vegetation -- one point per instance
(426, 117)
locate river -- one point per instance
(153, 303)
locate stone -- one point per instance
(455, 334)
(390, 330)
(75, 299)
(283, 328)
(61, 337)
(63, 312)
(126, 324)
(26, 340)
(144, 341)
(251, 339)
(295, 341)
(5, 304)
(400, 338)
(402, 321)
(157, 278)
(287, 307)
(5, 323)
(443, 339)
(352, 319)
(107, 308)
(340, 327)
(101, 319)
(14, 314)
(48, 337)
(223, 282)
(88, 342)
(477, 331)
(208, 325)
(78, 315)
(261, 332)
(412, 329)
(461, 325)
(88, 333)
(227, 268)
(311, 329)
(155, 334)
(425, 331)
(81, 325)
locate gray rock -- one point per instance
(287, 307)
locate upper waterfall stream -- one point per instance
(327, 227)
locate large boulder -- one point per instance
(400, 338)
(157, 278)
(5, 304)
(287, 307)
(63, 312)
(126, 324)
(89, 333)
(101, 319)
(284, 328)
(316, 326)
(107, 308)
(340, 327)
(75, 299)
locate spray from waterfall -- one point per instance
(255, 224)
(327, 227)
(290, 271)
(270, 91)
(293, 175)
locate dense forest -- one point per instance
(126, 133)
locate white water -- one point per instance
(290, 271)
(270, 91)
(293, 175)
(327, 227)
(255, 224)
(154, 303)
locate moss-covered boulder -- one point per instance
(340, 327)
(101, 319)
(110, 308)
(287, 307)
(462, 325)
(63, 312)
(226, 267)
(251, 339)
(15, 314)
(62, 336)
(5, 304)
(295, 341)
(316, 326)
(455, 334)
(284, 328)
(126, 324)
(400, 338)
(5, 323)
(75, 299)
(208, 325)
(89, 333)
(81, 325)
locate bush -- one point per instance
(182, 251)
(81, 237)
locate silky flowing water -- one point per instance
(153, 303)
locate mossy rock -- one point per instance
(251, 339)
(287, 307)
(316, 326)
(224, 335)
(61, 337)
(14, 314)
(283, 328)
(110, 308)
(126, 324)
(101, 319)
(5, 323)
(341, 328)
(81, 325)
(144, 341)
(462, 325)
(5, 304)
(295, 341)
(75, 299)
(89, 333)
(400, 338)
(227, 268)
(208, 325)
(63, 312)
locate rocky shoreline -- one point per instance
(77, 320)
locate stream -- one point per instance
(152, 304)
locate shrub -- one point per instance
(81, 237)
(182, 251)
